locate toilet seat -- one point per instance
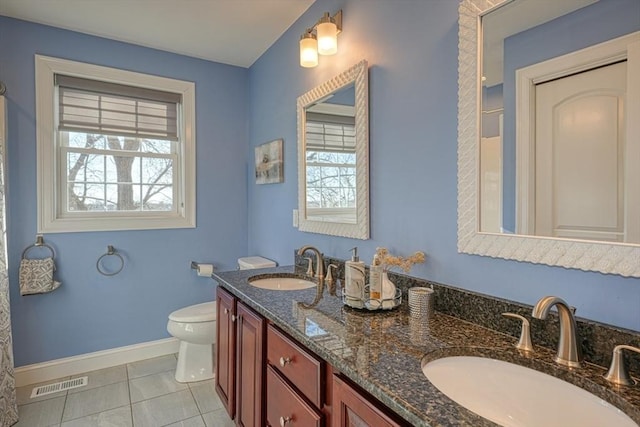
(205, 312)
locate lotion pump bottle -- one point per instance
(354, 281)
(375, 281)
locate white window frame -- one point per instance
(50, 189)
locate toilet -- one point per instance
(195, 327)
(252, 262)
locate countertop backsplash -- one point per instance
(598, 339)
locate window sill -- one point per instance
(74, 225)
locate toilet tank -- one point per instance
(251, 262)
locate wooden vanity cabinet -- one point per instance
(249, 367)
(351, 408)
(296, 383)
(302, 368)
(226, 350)
(240, 360)
(286, 407)
(265, 377)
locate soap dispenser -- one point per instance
(354, 281)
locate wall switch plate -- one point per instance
(295, 218)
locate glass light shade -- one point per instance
(327, 38)
(308, 52)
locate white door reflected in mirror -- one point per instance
(579, 163)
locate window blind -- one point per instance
(93, 106)
(330, 135)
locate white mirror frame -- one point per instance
(622, 259)
(358, 74)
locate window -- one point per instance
(331, 165)
(115, 149)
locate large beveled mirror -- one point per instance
(333, 150)
(548, 150)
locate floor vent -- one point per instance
(43, 390)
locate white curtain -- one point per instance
(8, 406)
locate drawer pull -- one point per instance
(284, 361)
(284, 421)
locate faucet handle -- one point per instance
(329, 277)
(617, 371)
(525, 336)
(329, 280)
(310, 267)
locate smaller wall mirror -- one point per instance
(333, 156)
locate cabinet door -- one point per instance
(250, 360)
(285, 407)
(302, 368)
(226, 348)
(353, 409)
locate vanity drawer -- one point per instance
(303, 369)
(285, 407)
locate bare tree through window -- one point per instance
(115, 173)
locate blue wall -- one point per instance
(90, 312)
(412, 49)
(596, 23)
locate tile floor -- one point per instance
(140, 394)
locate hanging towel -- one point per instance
(36, 276)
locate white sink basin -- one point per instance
(282, 283)
(511, 395)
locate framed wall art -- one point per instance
(269, 163)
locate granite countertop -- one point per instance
(382, 351)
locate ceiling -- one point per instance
(234, 32)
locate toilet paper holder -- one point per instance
(198, 266)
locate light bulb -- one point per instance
(327, 36)
(308, 50)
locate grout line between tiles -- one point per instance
(126, 373)
(194, 399)
(64, 406)
(93, 413)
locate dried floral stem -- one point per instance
(389, 261)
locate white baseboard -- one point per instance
(53, 369)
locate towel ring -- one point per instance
(38, 244)
(110, 252)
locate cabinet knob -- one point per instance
(284, 420)
(233, 317)
(284, 361)
(226, 311)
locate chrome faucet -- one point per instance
(569, 353)
(319, 263)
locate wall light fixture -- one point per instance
(321, 39)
